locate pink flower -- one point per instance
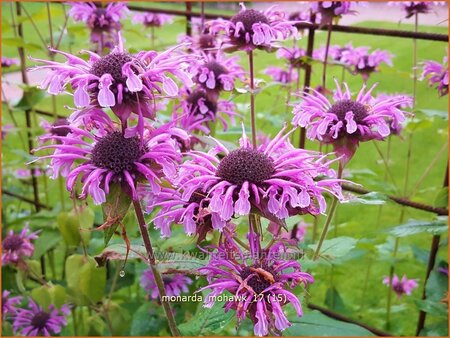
(364, 62)
(9, 62)
(250, 29)
(401, 287)
(437, 75)
(9, 304)
(330, 10)
(344, 122)
(18, 246)
(149, 19)
(174, 284)
(282, 75)
(412, 8)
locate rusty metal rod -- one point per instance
(400, 200)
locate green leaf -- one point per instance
(18, 42)
(207, 321)
(49, 294)
(114, 210)
(433, 112)
(47, 240)
(86, 281)
(334, 301)
(31, 96)
(317, 324)
(336, 247)
(119, 251)
(68, 225)
(145, 322)
(437, 286)
(372, 198)
(414, 227)
(441, 200)
(433, 308)
(95, 326)
(173, 262)
(119, 318)
(417, 125)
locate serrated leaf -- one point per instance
(317, 324)
(207, 321)
(414, 227)
(114, 210)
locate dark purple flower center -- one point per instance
(111, 64)
(40, 319)
(245, 164)
(330, 9)
(398, 288)
(60, 130)
(342, 107)
(167, 279)
(197, 95)
(206, 41)
(248, 18)
(117, 153)
(261, 278)
(419, 7)
(12, 243)
(216, 68)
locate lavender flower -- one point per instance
(281, 75)
(276, 179)
(260, 283)
(152, 19)
(335, 52)
(9, 304)
(295, 56)
(105, 155)
(218, 73)
(412, 8)
(37, 322)
(293, 237)
(123, 82)
(174, 284)
(401, 287)
(437, 75)
(23, 174)
(330, 10)
(203, 43)
(251, 29)
(345, 122)
(364, 62)
(8, 62)
(18, 246)
(198, 110)
(103, 22)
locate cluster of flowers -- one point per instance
(114, 138)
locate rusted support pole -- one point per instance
(188, 18)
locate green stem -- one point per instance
(252, 98)
(390, 291)
(325, 61)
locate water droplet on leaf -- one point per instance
(122, 273)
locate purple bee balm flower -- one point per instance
(105, 155)
(260, 283)
(123, 82)
(281, 75)
(57, 128)
(8, 62)
(104, 22)
(412, 8)
(152, 19)
(174, 284)
(194, 213)
(295, 56)
(364, 62)
(26, 173)
(305, 16)
(198, 110)
(203, 43)
(292, 237)
(37, 322)
(334, 52)
(217, 73)
(18, 246)
(331, 10)
(401, 287)
(9, 304)
(344, 122)
(251, 29)
(437, 75)
(276, 179)
(394, 125)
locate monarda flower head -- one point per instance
(260, 282)
(9, 62)
(9, 304)
(275, 179)
(364, 62)
(218, 73)
(332, 10)
(36, 321)
(16, 247)
(174, 284)
(437, 75)
(281, 75)
(104, 22)
(121, 81)
(295, 57)
(335, 52)
(203, 43)
(104, 155)
(251, 29)
(412, 8)
(198, 110)
(149, 19)
(402, 286)
(346, 121)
